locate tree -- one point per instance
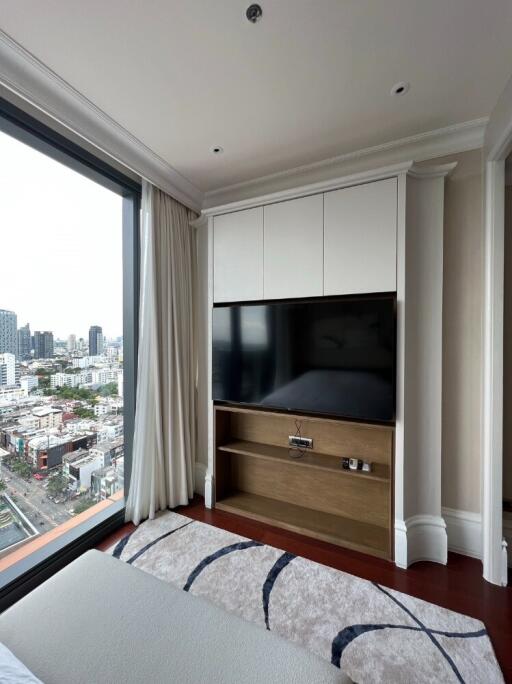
(3, 486)
(22, 469)
(82, 412)
(83, 505)
(109, 390)
(57, 484)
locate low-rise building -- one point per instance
(7, 369)
(48, 451)
(110, 428)
(86, 361)
(48, 416)
(11, 395)
(29, 383)
(69, 379)
(78, 468)
(107, 481)
(110, 450)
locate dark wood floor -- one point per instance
(458, 586)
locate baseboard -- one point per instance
(420, 538)
(199, 477)
(426, 539)
(464, 530)
(400, 544)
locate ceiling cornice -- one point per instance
(30, 79)
(462, 137)
(368, 176)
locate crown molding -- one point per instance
(30, 79)
(439, 171)
(368, 176)
(462, 137)
(408, 167)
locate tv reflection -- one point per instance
(330, 357)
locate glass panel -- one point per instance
(61, 347)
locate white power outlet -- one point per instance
(300, 442)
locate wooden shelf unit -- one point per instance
(258, 476)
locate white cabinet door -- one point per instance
(293, 248)
(238, 256)
(360, 238)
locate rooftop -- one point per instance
(42, 411)
(15, 527)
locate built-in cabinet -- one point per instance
(334, 243)
(238, 256)
(379, 231)
(293, 252)
(360, 238)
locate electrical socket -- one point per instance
(300, 442)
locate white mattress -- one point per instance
(101, 620)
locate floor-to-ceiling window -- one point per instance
(68, 318)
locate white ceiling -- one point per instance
(310, 81)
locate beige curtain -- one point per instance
(165, 425)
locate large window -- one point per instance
(68, 284)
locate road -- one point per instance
(30, 497)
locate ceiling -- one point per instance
(310, 81)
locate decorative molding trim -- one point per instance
(407, 167)
(426, 539)
(492, 376)
(200, 470)
(464, 530)
(314, 188)
(29, 78)
(461, 137)
(400, 544)
(209, 491)
(439, 171)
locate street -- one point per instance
(35, 505)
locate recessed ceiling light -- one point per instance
(217, 149)
(400, 88)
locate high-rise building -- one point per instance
(72, 343)
(95, 340)
(43, 344)
(7, 369)
(24, 342)
(8, 332)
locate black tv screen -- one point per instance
(330, 356)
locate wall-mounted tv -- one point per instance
(328, 356)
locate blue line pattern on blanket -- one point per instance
(121, 544)
(215, 556)
(273, 574)
(155, 541)
(348, 634)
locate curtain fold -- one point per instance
(164, 441)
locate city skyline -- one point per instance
(22, 323)
(63, 249)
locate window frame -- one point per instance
(29, 572)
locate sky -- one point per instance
(60, 245)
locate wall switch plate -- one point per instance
(300, 442)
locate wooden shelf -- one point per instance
(256, 475)
(352, 534)
(309, 459)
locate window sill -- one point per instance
(29, 565)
